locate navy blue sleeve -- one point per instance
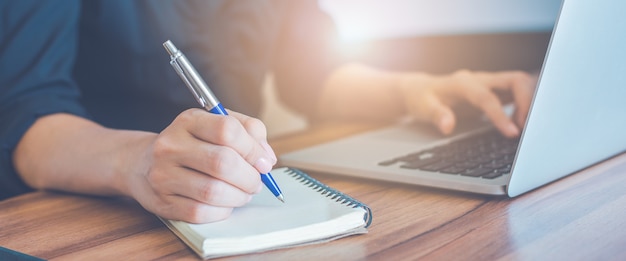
(38, 42)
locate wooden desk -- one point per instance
(580, 217)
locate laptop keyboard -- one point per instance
(483, 155)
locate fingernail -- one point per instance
(512, 129)
(270, 151)
(263, 165)
(444, 124)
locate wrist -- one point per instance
(133, 162)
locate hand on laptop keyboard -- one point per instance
(431, 98)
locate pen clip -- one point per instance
(190, 86)
(190, 76)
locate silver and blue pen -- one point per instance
(207, 100)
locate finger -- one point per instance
(520, 84)
(523, 90)
(227, 131)
(437, 112)
(489, 103)
(222, 163)
(206, 189)
(192, 211)
(253, 126)
(258, 131)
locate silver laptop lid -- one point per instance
(578, 116)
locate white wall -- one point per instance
(364, 19)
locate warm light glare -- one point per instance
(362, 20)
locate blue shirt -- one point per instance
(104, 60)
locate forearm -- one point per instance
(69, 153)
(185, 172)
(359, 92)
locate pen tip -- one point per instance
(281, 198)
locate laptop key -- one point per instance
(388, 162)
(492, 175)
(417, 164)
(452, 170)
(476, 172)
(488, 155)
(437, 166)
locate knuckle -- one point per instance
(254, 124)
(211, 192)
(221, 159)
(462, 74)
(194, 213)
(160, 205)
(155, 178)
(526, 79)
(186, 116)
(250, 154)
(521, 75)
(460, 78)
(227, 130)
(163, 147)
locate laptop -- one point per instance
(577, 119)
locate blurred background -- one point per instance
(435, 36)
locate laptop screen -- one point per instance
(577, 114)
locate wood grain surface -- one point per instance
(580, 217)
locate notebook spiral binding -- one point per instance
(330, 192)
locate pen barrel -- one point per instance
(197, 83)
(270, 183)
(219, 109)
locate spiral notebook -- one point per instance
(312, 213)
